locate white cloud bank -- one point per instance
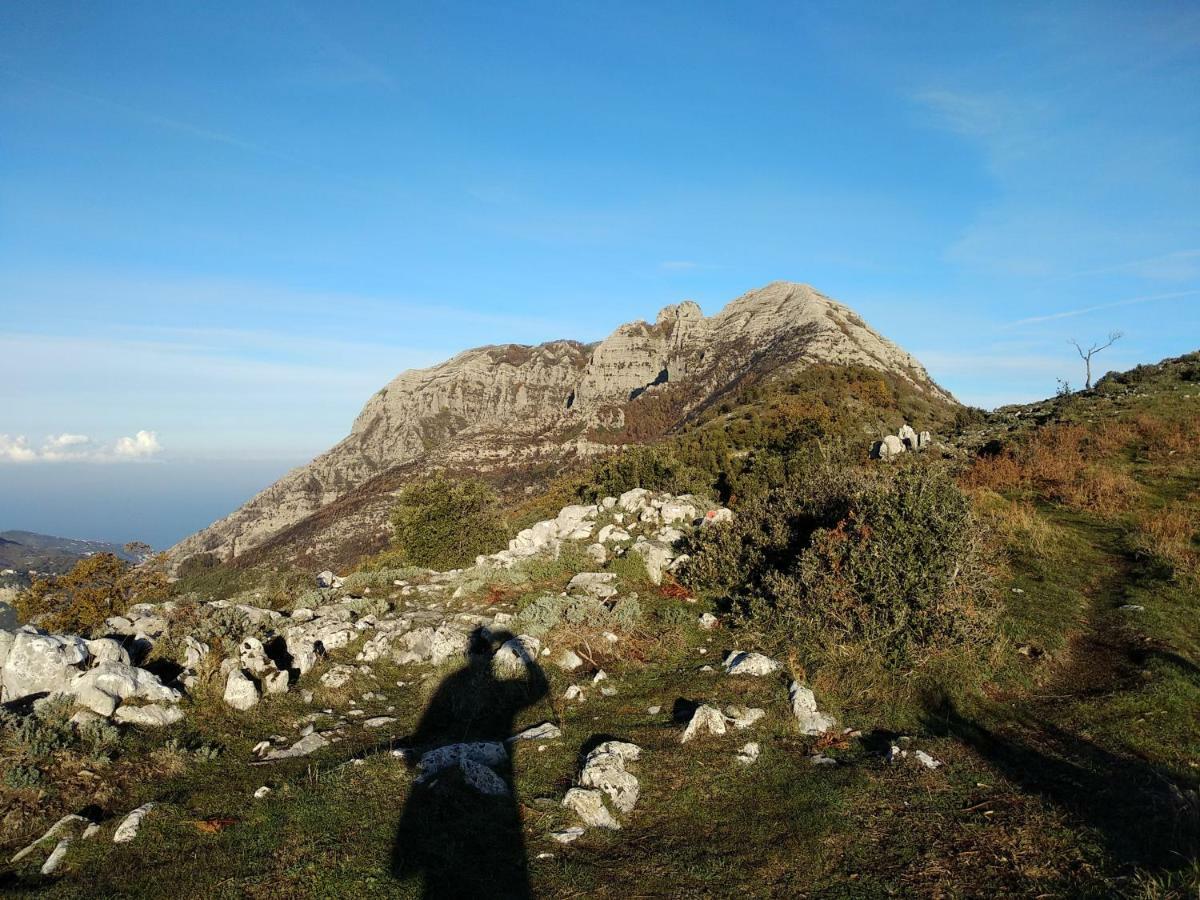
(68, 447)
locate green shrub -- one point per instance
(888, 561)
(441, 523)
(97, 587)
(545, 612)
(22, 776)
(653, 468)
(99, 739)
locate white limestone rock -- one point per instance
(240, 690)
(151, 715)
(705, 720)
(749, 753)
(516, 656)
(41, 663)
(486, 753)
(131, 824)
(741, 717)
(589, 806)
(482, 779)
(804, 707)
(753, 664)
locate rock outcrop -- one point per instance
(509, 406)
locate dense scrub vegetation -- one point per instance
(97, 587)
(441, 523)
(883, 569)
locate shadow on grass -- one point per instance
(454, 840)
(1145, 817)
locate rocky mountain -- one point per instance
(516, 407)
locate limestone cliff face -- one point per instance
(513, 405)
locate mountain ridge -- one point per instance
(522, 406)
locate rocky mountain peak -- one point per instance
(514, 406)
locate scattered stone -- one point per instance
(310, 743)
(378, 721)
(755, 664)
(482, 779)
(516, 656)
(53, 831)
(573, 692)
(608, 691)
(261, 792)
(547, 731)
(926, 760)
(743, 716)
(654, 710)
(708, 621)
(567, 835)
(804, 707)
(240, 691)
(601, 585)
(128, 829)
(54, 860)
(589, 806)
(569, 661)
(337, 677)
(705, 720)
(605, 771)
(599, 676)
(820, 759)
(486, 753)
(748, 754)
(152, 715)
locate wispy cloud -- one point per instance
(1005, 127)
(70, 447)
(149, 118)
(1131, 301)
(1182, 265)
(679, 265)
(340, 65)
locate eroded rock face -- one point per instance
(500, 406)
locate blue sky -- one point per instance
(224, 225)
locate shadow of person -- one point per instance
(1147, 816)
(452, 839)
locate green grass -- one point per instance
(1065, 774)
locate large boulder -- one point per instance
(39, 663)
(100, 689)
(887, 448)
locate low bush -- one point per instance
(97, 587)
(883, 565)
(441, 523)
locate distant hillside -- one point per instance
(26, 550)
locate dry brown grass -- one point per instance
(1172, 534)
(1016, 522)
(1068, 464)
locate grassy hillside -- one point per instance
(1069, 738)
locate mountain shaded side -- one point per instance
(515, 408)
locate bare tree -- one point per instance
(1086, 355)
